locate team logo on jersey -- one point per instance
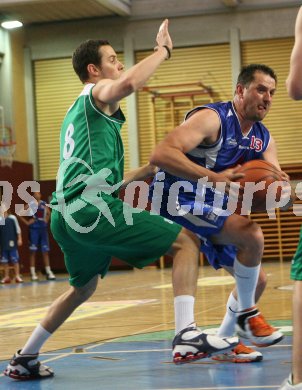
(232, 141)
(229, 113)
(243, 147)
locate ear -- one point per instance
(239, 90)
(93, 70)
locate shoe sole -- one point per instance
(276, 341)
(25, 377)
(189, 357)
(178, 358)
(235, 359)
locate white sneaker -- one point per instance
(50, 276)
(34, 277)
(192, 344)
(287, 384)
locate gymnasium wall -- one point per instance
(211, 64)
(58, 40)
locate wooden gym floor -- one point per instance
(121, 338)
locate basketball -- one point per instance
(264, 174)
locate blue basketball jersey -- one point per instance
(8, 234)
(231, 148)
(39, 215)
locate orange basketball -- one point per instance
(264, 173)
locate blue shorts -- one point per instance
(38, 238)
(10, 256)
(209, 223)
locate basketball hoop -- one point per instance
(7, 150)
(7, 143)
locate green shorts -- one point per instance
(89, 239)
(296, 268)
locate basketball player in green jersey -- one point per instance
(91, 223)
(294, 89)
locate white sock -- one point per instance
(47, 269)
(32, 270)
(183, 311)
(246, 281)
(227, 327)
(36, 340)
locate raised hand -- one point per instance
(163, 37)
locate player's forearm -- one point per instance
(139, 174)
(294, 80)
(131, 80)
(140, 73)
(176, 163)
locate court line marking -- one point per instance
(61, 355)
(230, 387)
(58, 355)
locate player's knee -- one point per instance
(186, 240)
(252, 237)
(82, 294)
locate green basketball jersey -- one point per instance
(91, 151)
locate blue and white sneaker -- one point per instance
(192, 344)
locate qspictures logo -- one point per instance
(96, 185)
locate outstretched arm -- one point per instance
(294, 79)
(111, 91)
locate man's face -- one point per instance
(110, 66)
(257, 97)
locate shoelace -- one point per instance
(241, 348)
(258, 323)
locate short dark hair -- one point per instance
(87, 53)
(246, 76)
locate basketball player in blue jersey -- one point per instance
(38, 236)
(10, 239)
(211, 142)
(294, 88)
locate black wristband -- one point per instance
(167, 48)
(168, 51)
